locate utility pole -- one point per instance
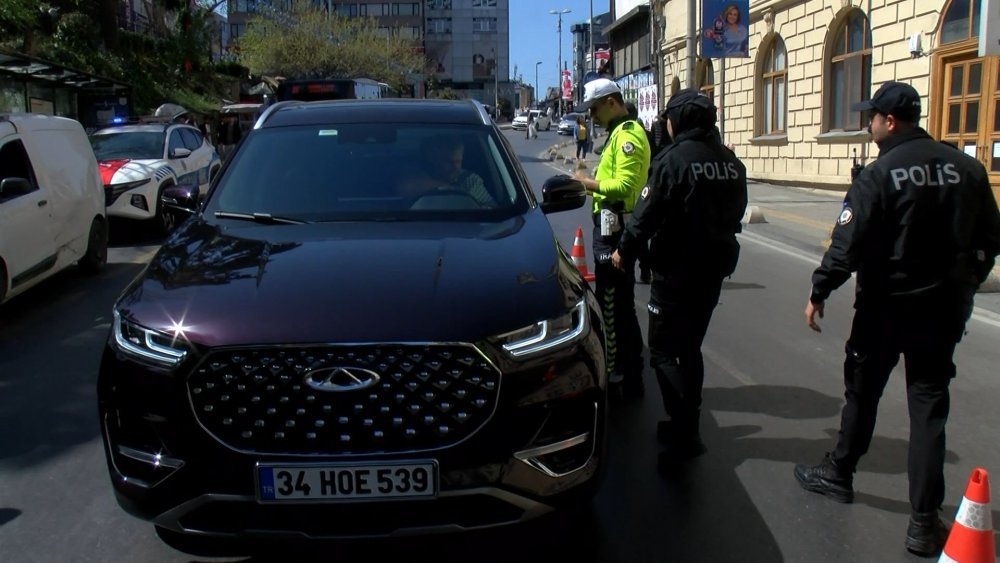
(692, 32)
(559, 61)
(590, 29)
(536, 82)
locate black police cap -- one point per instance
(893, 98)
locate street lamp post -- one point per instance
(559, 63)
(536, 82)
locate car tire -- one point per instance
(164, 221)
(96, 256)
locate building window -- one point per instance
(958, 26)
(439, 25)
(484, 25)
(409, 32)
(438, 4)
(705, 75)
(484, 3)
(850, 71)
(246, 6)
(236, 30)
(406, 9)
(773, 90)
(346, 10)
(374, 10)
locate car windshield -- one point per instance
(377, 172)
(127, 145)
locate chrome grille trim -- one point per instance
(430, 396)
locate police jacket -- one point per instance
(691, 209)
(624, 166)
(918, 219)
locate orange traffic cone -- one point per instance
(579, 255)
(971, 537)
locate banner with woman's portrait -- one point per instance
(725, 29)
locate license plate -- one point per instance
(346, 482)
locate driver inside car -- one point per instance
(441, 170)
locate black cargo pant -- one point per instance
(925, 332)
(680, 309)
(616, 295)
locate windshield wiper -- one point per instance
(265, 218)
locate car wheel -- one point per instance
(165, 221)
(96, 257)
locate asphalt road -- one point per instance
(772, 398)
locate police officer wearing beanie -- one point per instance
(690, 212)
(921, 228)
(615, 187)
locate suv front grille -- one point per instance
(344, 399)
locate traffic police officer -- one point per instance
(619, 178)
(921, 227)
(690, 213)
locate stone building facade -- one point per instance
(786, 107)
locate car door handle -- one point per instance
(43, 203)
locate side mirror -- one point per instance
(562, 193)
(183, 197)
(180, 152)
(14, 187)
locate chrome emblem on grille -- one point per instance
(340, 379)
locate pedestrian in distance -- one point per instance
(615, 187)
(921, 228)
(689, 214)
(581, 134)
(529, 124)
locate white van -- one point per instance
(51, 201)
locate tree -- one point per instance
(311, 42)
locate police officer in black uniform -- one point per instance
(689, 212)
(921, 228)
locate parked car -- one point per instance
(542, 121)
(51, 201)
(333, 347)
(138, 162)
(567, 122)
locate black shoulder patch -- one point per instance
(627, 125)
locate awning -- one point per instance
(18, 64)
(640, 10)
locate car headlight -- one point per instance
(113, 191)
(148, 345)
(546, 335)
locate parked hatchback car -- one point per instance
(138, 162)
(367, 329)
(51, 201)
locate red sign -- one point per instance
(567, 85)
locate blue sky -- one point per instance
(533, 36)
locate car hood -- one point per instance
(353, 282)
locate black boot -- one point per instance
(926, 534)
(827, 479)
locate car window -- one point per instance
(176, 141)
(191, 138)
(118, 145)
(14, 163)
(369, 171)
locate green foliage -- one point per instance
(17, 16)
(444, 94)
(310, 42)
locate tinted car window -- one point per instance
(361, 171)
(14, 163)
(191, 138)
(176, 141)
(137, 145)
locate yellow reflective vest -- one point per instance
(624, 166)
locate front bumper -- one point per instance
(542, 447)
(137, 204)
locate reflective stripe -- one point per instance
(974, 515)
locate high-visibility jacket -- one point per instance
(624, 165)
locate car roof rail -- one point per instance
(273, 108)
(483, 114)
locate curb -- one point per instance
(992, 283)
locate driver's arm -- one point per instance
(474, 184)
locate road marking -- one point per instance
(825, 226)
(728, 367)
(984, 316)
